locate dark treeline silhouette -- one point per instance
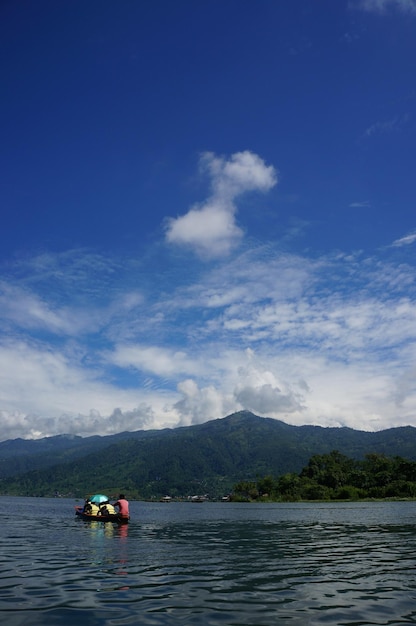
(335, 476)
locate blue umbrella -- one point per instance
(99, 498)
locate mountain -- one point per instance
(18, 456)
(205, 458)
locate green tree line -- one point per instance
(335, 476)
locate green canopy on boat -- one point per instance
(99, 498)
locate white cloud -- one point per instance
(45, 392)
(210, 229)
(29, 311)
(267, 399)
(34, 426)
(53, 396)
(199, 405)
(68, 294)
(240, 383)
(360, 205)
(327, 341)
(244, 171)
(384, 127)
(90, 345)
(382, 6)
(407, 240)
(154, 360)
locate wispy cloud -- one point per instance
(155, 360)
(382, 6)
(407, 240)
(97, 344)
(360, 204)
(388, 126)
(210, 228)
(330, 340)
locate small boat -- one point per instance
(117, 518)
(99, 514)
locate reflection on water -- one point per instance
(297, 564)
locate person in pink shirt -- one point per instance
(123, 506)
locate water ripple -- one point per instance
(208, 564)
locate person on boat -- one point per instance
(123, 506)
(107, 509)
(91, 508)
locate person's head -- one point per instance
(122, 496)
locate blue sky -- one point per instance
(207, 207)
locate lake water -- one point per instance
(209, 564)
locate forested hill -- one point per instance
(208, 457)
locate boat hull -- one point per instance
(117, 518)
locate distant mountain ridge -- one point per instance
(22, 455)
(208, 457)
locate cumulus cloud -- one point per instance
(329, 340)
(242, 384)
(198, 405)
(259, 390)
(266, 400)
(33, 426)
(244, 171)
(45, 391)
(210, 228)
